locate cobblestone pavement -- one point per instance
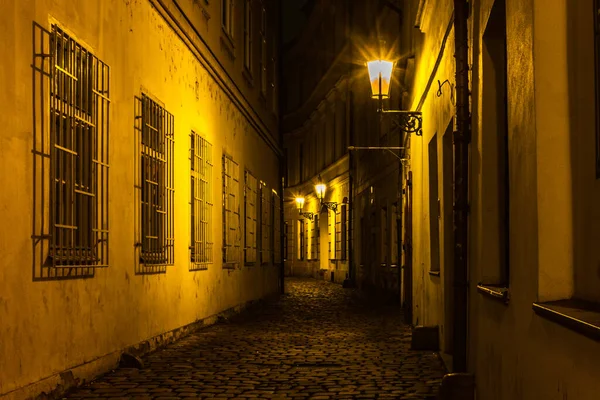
(319, 341)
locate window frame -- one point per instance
(228, 18)
(70, 217)
(266, 227)
(251, 211)
(248, 36)
(201, 204)
(156, 157)
(231, 247)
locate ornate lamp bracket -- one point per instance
(406, 121)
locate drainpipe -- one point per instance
(282, 159)
(350, 140)
(462, 137)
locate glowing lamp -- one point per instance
(300, 203)
(320, 188)
(380, 75)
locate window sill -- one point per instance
(579, 316)
(495, 292)
(229, 266)
(434, 273)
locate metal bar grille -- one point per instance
(331, 234)
(266, 249)
(231, 213)
(286, 243)
(394, 234)
(250, 224)
(201, 248)
(384, 236)
(301, 233)
(155, 185)
(338, 234)
(71, 125)
(314, 247)
(276, 224)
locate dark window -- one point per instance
(231, 212)
(495, 129)
(156, 169)
(75, 148)
(250, 212)
(201, 246)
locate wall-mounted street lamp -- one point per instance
(320, 189)
(380, 75)
(304, 214)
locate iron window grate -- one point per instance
(231, 213)
(338, 234)
(266, 246)
(250, 224)
(315, 239)
(155, 186)
(70, 157)
(286, 242)
(277, 233)
(201, 246)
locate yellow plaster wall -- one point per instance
(47, 327)
(514, 353)
(428, 290)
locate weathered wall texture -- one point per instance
(51, 326)
(433, 46)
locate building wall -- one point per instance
(316, 132)
(513, 352)
(50, 326)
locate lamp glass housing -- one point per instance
(300, 203)
(380, 75)
(320, 189)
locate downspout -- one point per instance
(282, 159)
(462, 138)
(350, 133)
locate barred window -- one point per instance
(285, 240)
(250, 211)
(276, 224)
(345, 229)
(384, 236)
(156, 183)
(338, 234)
(394, 234)
(315, 240)
(201, 246)
(301, 244)
(266, 245)
(231, 212)
(71, 142)
(331, 223)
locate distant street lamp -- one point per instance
(300, 205)
(320, 188)
(380, 76)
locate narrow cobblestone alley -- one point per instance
(319, 341)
